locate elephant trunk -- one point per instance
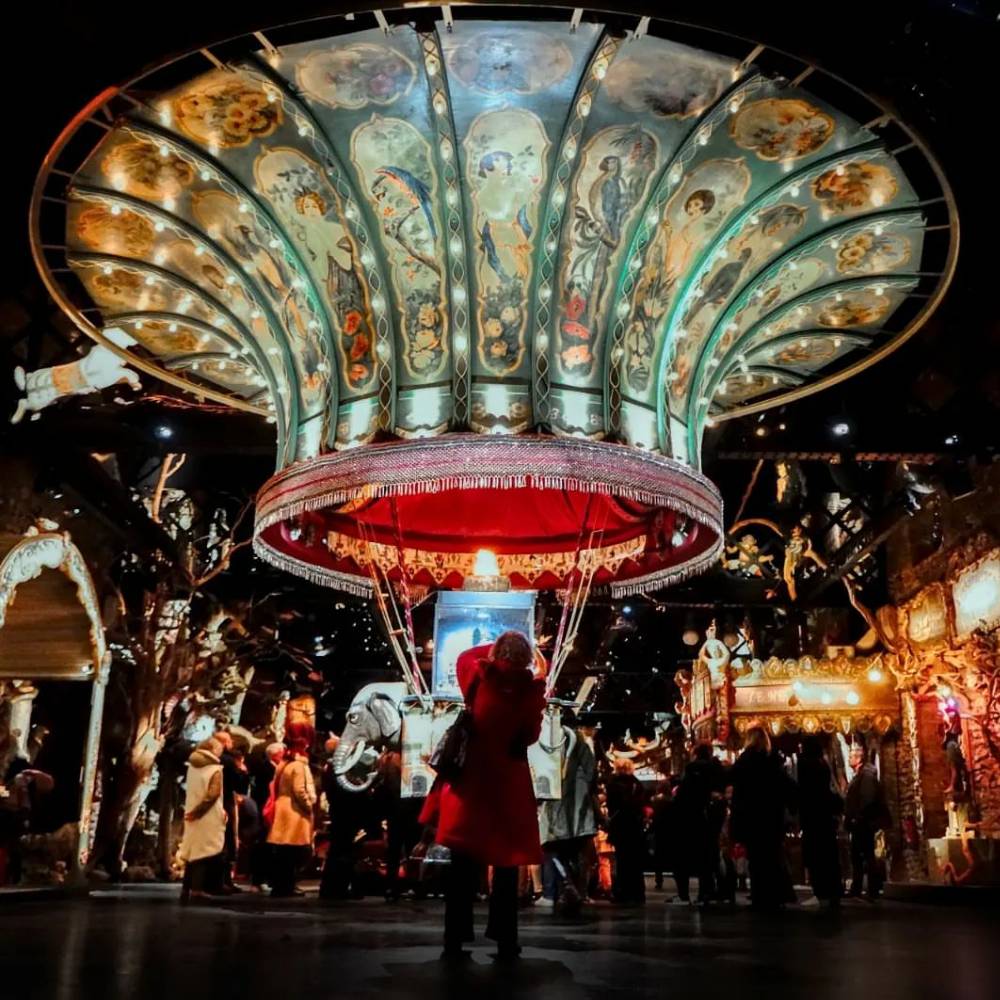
(345, 757)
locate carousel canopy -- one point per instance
(498, 224)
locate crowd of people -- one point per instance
(724, 826)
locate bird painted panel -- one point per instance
(395, 165)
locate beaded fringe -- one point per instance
(355, 585)
(667, 576)
(374, 491)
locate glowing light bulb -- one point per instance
(875, 675)
(486, 564)
(852, 697)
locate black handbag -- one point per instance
(448, 759)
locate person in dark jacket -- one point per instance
(663, 828)
(489, 816)
(235, 781)
(761, 794)
(262, 765)
(699, 825)
(348, 817)
(866, 813)
(567, 824)
(626, 802)
(820, 808)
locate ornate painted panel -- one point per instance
(499, 225)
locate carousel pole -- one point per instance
(87, 781)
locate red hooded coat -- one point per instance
(490, 814)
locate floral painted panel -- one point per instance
(781, 128)
(807, 352)
(225, 110)
(355, 75)
(138, 167)
(505, 173)
(854, 311)
(854, 187)
(395, 164)
(873, 253)
(609, 189)
(312, 213)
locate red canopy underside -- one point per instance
(510, 521)
(515, 522)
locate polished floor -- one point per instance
(141, 943)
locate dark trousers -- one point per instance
(231, 849)
(628, 883)
(562, 873)
(339, 877)
(204, 875)
(703, 863)
(461, 884)
(401, 834)
(770, 881)
(285, 861)
(821, 856)
(863, 860)
(260, 861)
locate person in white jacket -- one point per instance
(204, 837)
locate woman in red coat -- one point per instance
(489, 816)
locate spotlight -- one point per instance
(951, 439)
(841, 428)
(164, 431)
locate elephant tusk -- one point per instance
(344, 763)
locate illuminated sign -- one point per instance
(976, 594)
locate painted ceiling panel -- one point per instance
(497, 226)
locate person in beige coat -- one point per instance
(294, 795)
(204, 822)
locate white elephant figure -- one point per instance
(373, 724)
(98, 369)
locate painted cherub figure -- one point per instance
(749, 560)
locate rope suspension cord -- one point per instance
(561, 632)
(384, 596)
(576, 598)
(407, 598)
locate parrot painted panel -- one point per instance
(609, 190)
(313, 215)
(395, 166)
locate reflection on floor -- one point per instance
(140, 942)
